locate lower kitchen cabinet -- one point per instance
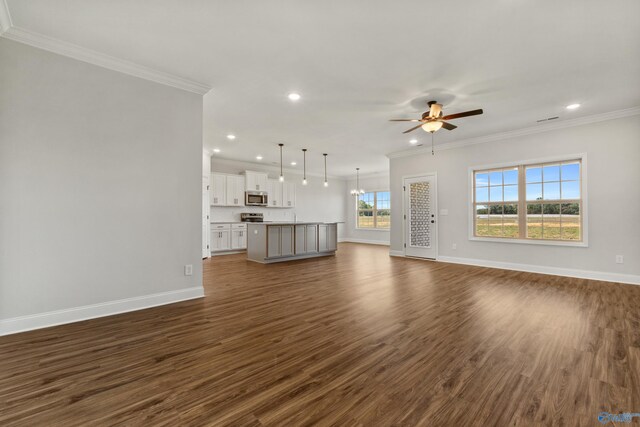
(306, 239)
(327, 237)
(220, 237)
(280, 241)
(238, 236)
(228, 237)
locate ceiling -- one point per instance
(359, 63)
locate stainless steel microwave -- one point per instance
(255, 198)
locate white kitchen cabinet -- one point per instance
(306, 239)
(327, 237)
(220, 237)
(280, 241)
(256, 181)
(234, 190)
(275, 193)
(288, 195)
(218, 189)
(238, 236)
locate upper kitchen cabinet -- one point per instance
(226, 190)
(275, 193)
(235, 190)
(218, 189)
(288, 195)
(256, 181)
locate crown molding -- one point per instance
(546, 127)
(93, 57)
(5, 17)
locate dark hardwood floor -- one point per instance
(356, 339)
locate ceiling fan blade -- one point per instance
(412, 129)
(448, 126)
(435, 110)
(405, 120)
(465, 114)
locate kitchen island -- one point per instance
(269, 242)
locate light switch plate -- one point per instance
(188, 270)
(444, 212)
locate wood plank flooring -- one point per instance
(360, 339)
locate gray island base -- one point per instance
(269, 242)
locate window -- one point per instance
(539, 201)
(374, 210)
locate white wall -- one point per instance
(369, 183)
(100, 187)
(314, 202)
(613, 176)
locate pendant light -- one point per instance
(304, 166)
(326, 183)
(357, 191)
(281, 175)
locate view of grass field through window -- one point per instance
(374, 210)
(548, 207)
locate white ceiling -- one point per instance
(359, 63)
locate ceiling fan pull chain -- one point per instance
(432, 153)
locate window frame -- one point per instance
(521, 165)
(374, 210)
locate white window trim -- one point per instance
(583, 194)
(356, 215)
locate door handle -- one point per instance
(432, 221)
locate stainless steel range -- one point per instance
(251, 217)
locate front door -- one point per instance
(420, 217)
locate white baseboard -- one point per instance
(542, 269)
(365, 241)
(396, 253)
(227, 253)
(76, 314)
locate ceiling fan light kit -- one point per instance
(432, 126)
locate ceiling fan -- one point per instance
(433, 119)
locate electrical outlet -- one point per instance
(444, 212)
(188, 270)
(619, 259)
(454, 246)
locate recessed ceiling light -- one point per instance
(258, 157)
(573, 106)
(414, 141)
(294, 96)
(216, 150)
(231, 136)
(293, 163)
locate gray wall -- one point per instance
(613, 176)
(100, 184)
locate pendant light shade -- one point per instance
(304, 166)
(281, 175)
(326, 183)
(357, 191)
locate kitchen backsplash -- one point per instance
(232, 214)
